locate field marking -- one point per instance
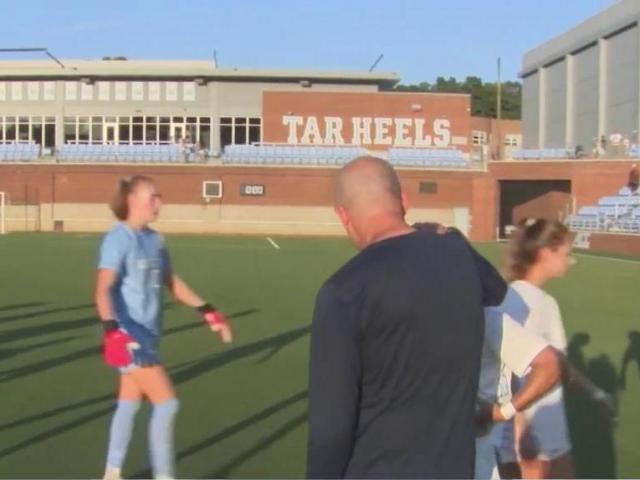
(613, 259)
(275, 245)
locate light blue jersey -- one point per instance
(140, 261)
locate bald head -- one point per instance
(368, 184)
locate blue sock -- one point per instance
(120, 433)
(161, 438)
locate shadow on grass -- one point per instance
(190, 372)
(591, 427)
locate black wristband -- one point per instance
(109, 325)
(206, 308)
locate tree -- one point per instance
(483, 95)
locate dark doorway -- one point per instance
(532, 198)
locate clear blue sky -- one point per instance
(420, 39)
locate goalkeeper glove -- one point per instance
(217, 321)
(114, 345)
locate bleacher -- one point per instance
(427, 157)
(543, 154)
(289, 155)
(87, 153)
(615, 213)
(339, 155)
(19, 152)
(633, 151)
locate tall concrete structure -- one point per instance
(584, 83)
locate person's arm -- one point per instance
(214, 318)
(544, 374)
(524, 353)
(104, 281)
(182, 292)
(334, 386)
(110, 261)
(494, 288)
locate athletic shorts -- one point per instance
(547, 425)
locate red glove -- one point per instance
(114, 348)
(217, 322)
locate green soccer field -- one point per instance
(243, 406)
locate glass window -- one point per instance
(151, 120)
(512, 140)
(36, 119)
(51, 120)
(254, 134)
(192, 120)
(23, 132)
(83, 119)
(205, 136)
(9, 130)
(479, 137)
(165, 119)
(151, 133)
(84, 132)
(138, 120)
(124, 120)
(49, 135)
(190, 133)
(36, 132)
(164, 133)
(96, 120)
(205, 120)
(137, 134)
(254, 121)
(226, 121)
(96, 133)
(226, 133)
(69, 132)
(111, 120)
(124, 133)
(240, 121)
(240, 132)
(178, 119)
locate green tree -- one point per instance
(483, 95)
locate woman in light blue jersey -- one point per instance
(133, 268)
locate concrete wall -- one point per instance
(585, 115)
(296, 200)
(531, 110)
(623, 82)
(209, 219)
(592, 74)
(556, 102)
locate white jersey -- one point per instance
(540, 315)
(508, 348)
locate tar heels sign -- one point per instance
(330, 130)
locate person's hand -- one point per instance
(484, 417)
(114, 345)
(217, 322)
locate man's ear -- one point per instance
(342, 214)
(405, 202)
